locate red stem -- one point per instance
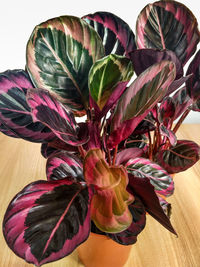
(109, 157)
(114, 156)
(81, 151)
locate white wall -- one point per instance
(18, 18)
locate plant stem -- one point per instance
(150, 146)
(109, 157)
(181, 120)
(114, 156)
(81, 151)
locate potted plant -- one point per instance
(105, 172)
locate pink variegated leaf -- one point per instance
(109, 206)
(179, 157)
(164, 131)
(139, 99)
(15, 113)
(115, 33)
(127, 154)
(142, 188)
(182, 102)
(158, 177)
(46, 109)
(46, 221)
(168, 25)
(64, 165)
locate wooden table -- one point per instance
(21, 163)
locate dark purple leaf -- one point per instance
(115, 33)
(145, 191)
(7, 131)
(144, 58)
(168, 25)
(164, 131)
(47, 220)
(159, 178)
(15, 114)
(64, 165)
(47, 150)
(166, 110)
(176, 84)
(56, 145)
(144, 126)
(127, 154)
(49, 111)
(179, 157)
(193, 84)
(196, 105)
(139, 141)
(182, 102)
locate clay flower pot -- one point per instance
(101, 251)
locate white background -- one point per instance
(18, 19)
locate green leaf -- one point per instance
(60, 53)
(109, 207)
(106, 75)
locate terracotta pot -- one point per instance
(101, 251)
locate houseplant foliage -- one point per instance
(106, 172)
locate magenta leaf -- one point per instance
(15, 114)
(145, 191)
(168, 25)
(179, 157)
(127, 154)
(64, 165)
(193, 84)
(139, 98)
(47, 220)
(115, 33)
(49, 111)
(158, 177)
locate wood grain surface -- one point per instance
(22, 163)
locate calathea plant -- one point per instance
(106, 172)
